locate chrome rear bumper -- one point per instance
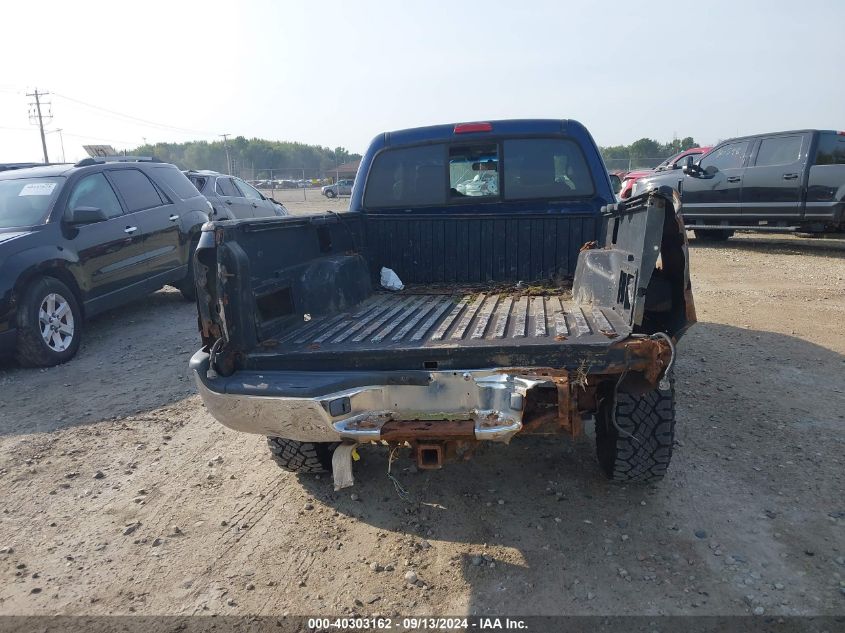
(492, 399)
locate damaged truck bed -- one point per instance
(429, 327)
(302, 346)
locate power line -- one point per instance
(133, 118)
(97, 138)
(37, 114)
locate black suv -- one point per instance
(76, 240)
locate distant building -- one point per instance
(346, 170)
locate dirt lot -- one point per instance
(305, 201)
(120, 494)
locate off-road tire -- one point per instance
(188, 286)
(642, 451)
(713, 235)
(302, 457)
(32, 350)
(330, 193)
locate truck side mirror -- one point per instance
(86, 215)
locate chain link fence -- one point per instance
(291, 184)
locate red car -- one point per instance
(673, 162)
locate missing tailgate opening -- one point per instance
(275, 304)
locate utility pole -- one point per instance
(226, 145)
(37, 115)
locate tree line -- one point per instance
(645, 150)
(250, 155)
(255, 155)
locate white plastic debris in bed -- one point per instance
(390, 280)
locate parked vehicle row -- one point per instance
(783, 181)
(232, 198)
(290, 184)
(676, 161)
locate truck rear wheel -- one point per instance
(302, 457)
(638, 447)
(713, 235)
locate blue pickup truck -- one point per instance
(479, 228)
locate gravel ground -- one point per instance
(305, 201)
(121, 495)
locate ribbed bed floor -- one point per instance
(401, 321)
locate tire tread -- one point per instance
(301, 457)
(643, 451)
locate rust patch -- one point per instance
(412, 430)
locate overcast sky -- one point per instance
(339, 73)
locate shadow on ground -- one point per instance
(557, 536)
(132, 359)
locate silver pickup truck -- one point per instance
(488, 339)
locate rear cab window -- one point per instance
(474, 171)
(482, 172)
(545, 168)
(408, 177)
